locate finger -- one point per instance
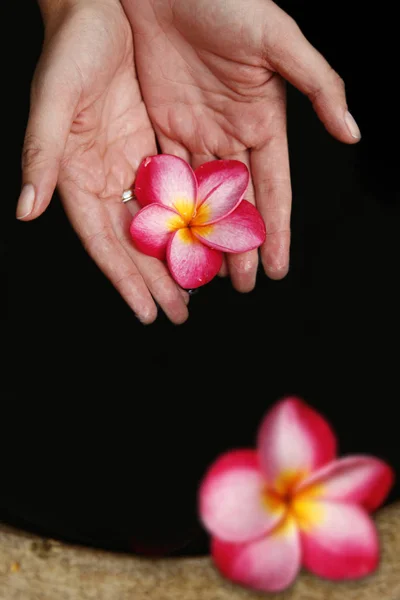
(171, 298)
(290, 53)
(162, 287)
(271, 176)
(223, 272)
(52, 110)
(169, 146)
(91, 221)
(243, 267)
(117, 265)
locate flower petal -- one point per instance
(364, 480)
(294, 440)
(343, 545)
(221, 186)
(270, 564)
(231, 499)
(240, 231)
(191, 263)
(152, 227)
(168, 180)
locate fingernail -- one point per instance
(26, 201)
(352, 126)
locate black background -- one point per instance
(108, 426)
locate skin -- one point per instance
(88, 130)
(212, 74)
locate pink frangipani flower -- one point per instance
(190, 218)
(292, 503)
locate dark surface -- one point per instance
(108, 426)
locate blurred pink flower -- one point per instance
(190, 218)
(292, 503)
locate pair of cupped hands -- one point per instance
(203, 78)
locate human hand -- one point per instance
(88, 131)
(212, 76)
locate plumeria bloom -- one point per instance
(291, 502)
(190, 218)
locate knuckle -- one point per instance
(333, 81)
(128, 277)
(278, 187)
(275, 230)
(164, 288)
(245, 264)
(32, 154)
(159, 280)
(338, 81)
(100, 240)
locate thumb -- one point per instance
(293, 57)
(53, 105)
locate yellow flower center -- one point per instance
(190, 218)
(185, 209)
(298, 506)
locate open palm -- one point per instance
(211, 77)
(95, 133)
